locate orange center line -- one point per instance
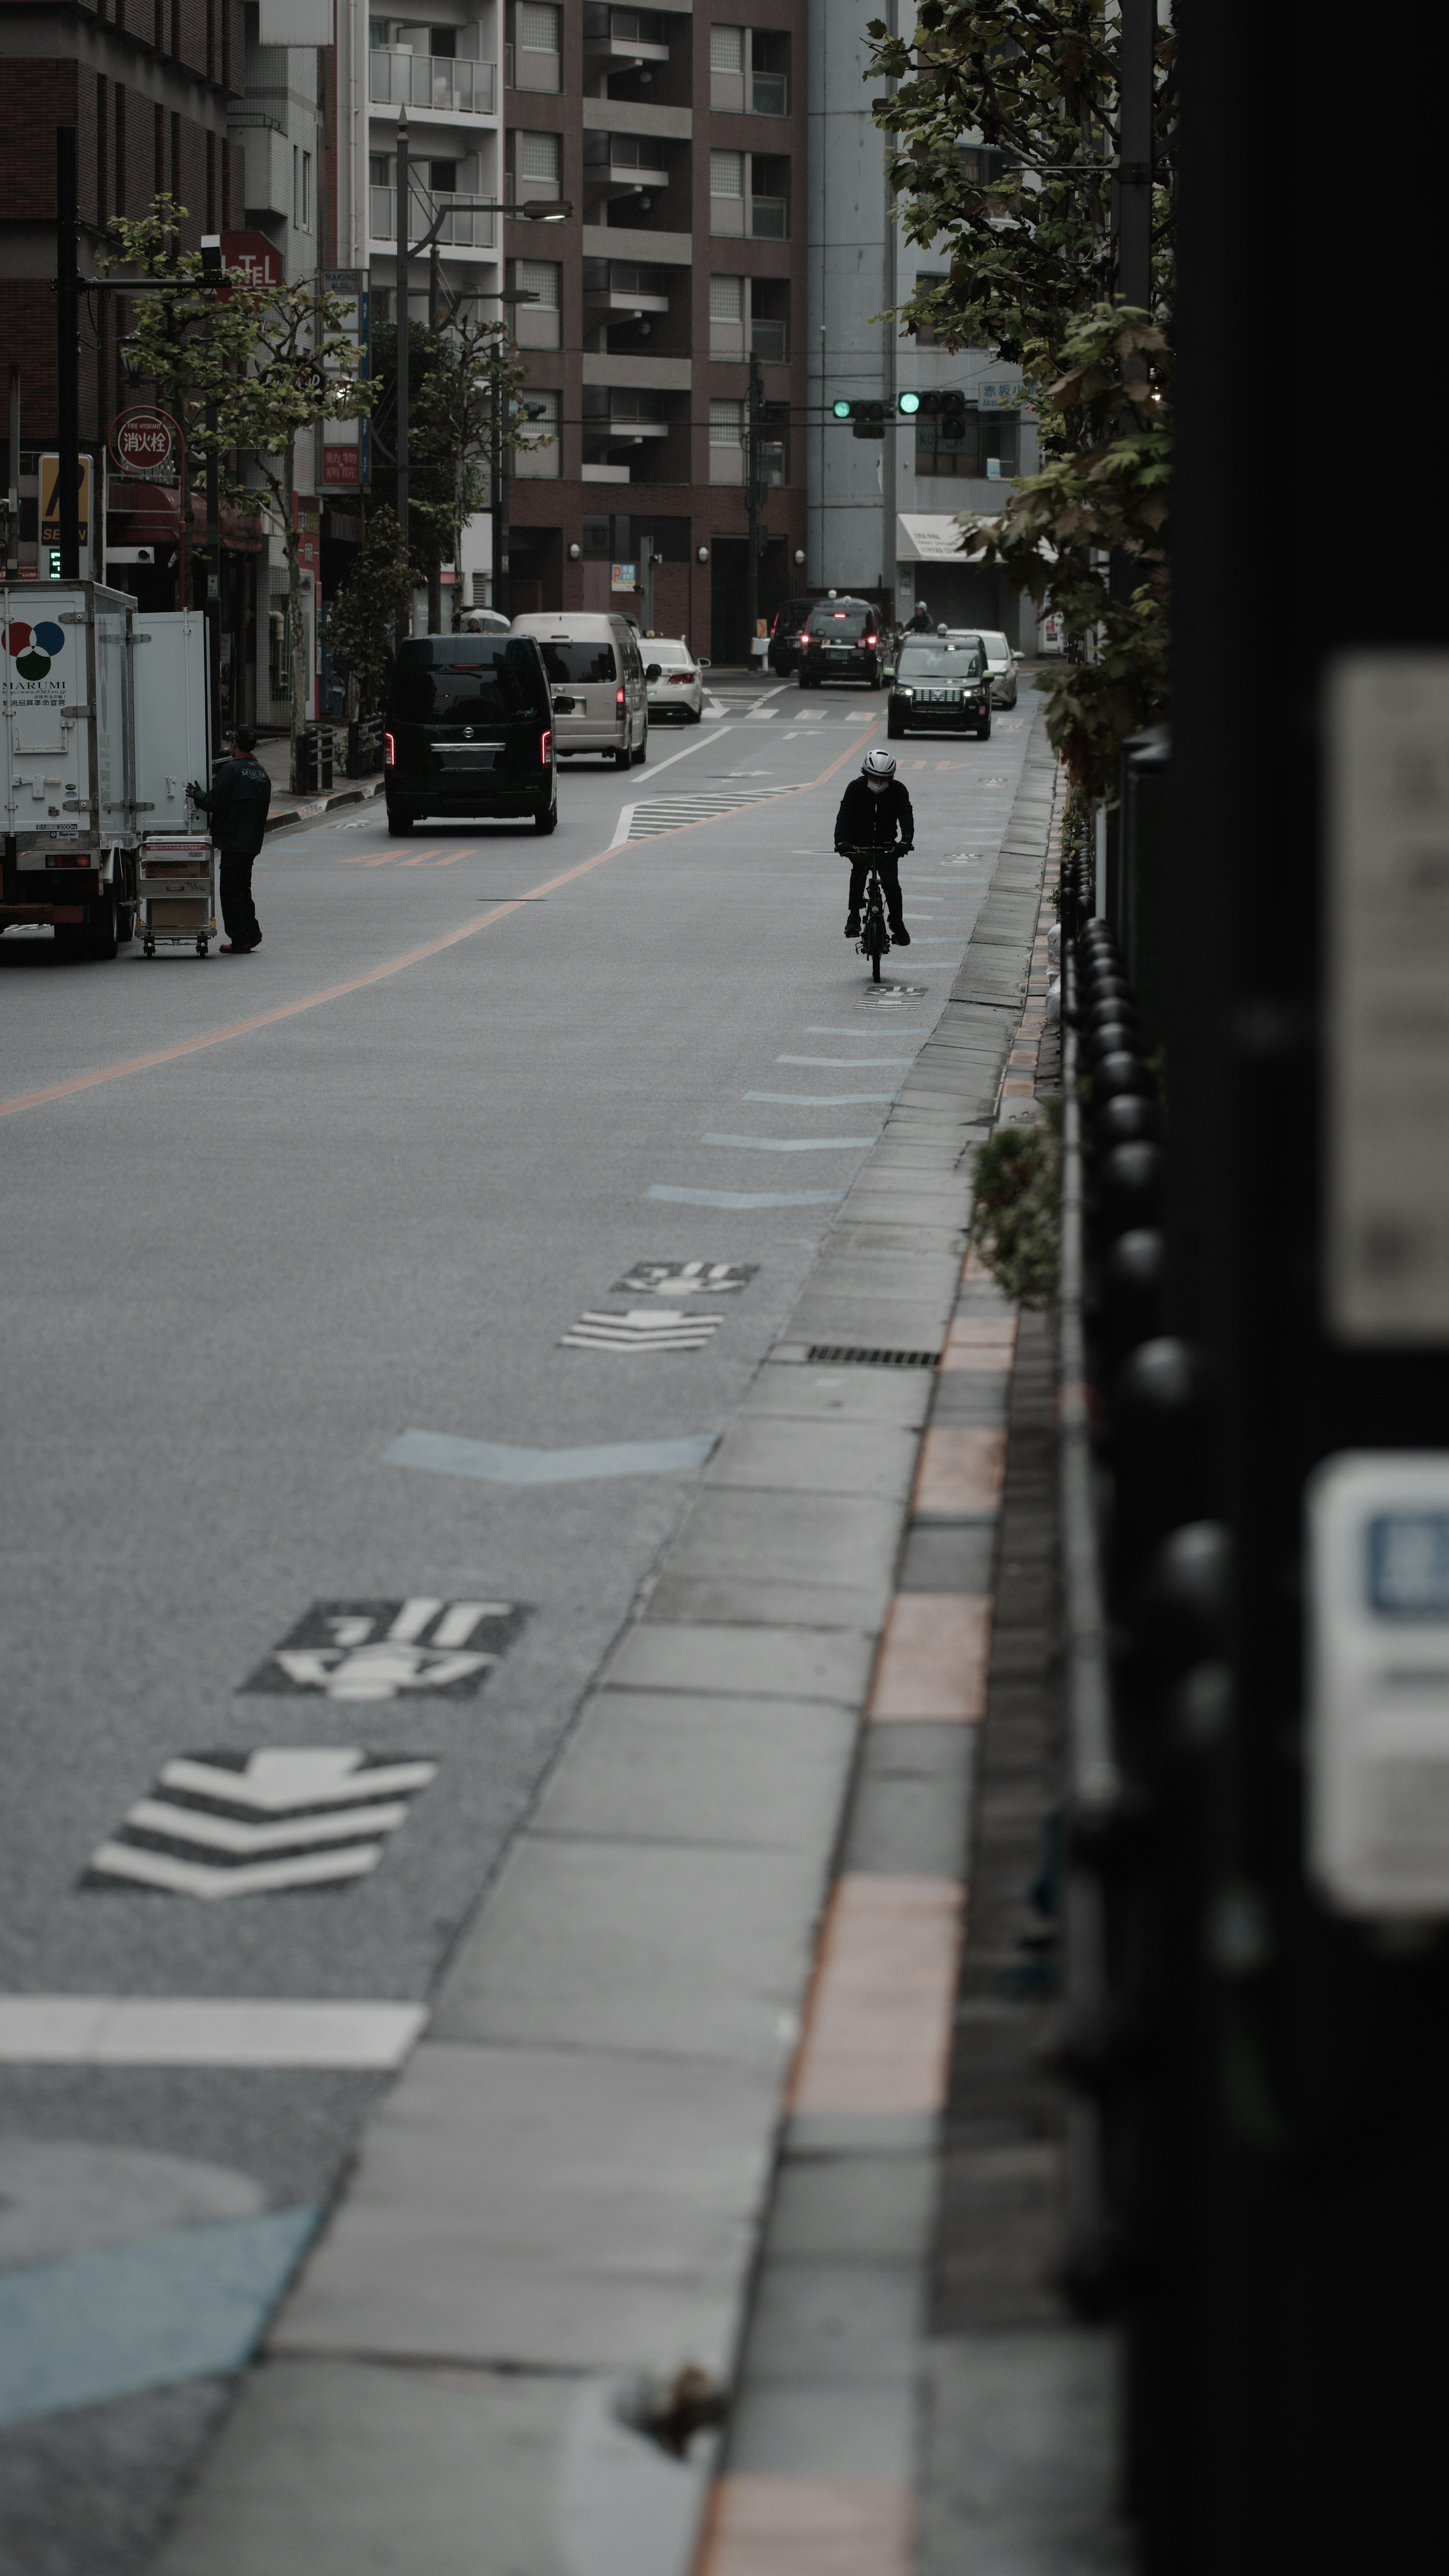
(374, 975)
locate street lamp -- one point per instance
(534, 210)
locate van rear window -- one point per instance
(472, 679)
(577, 662)
(839, 625)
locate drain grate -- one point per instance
(852, 1355)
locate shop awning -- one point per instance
(148, 514)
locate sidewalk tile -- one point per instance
(816, 1392)
(688, 1766)
(878, 2031)
(563, 2209)
(933, 1657)
(961, 1470)
(827, 1458)
(752, 1601)
(776, 1663)
(691, 1950)
(737, 1529)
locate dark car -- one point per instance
(469, 731)
(841, 642)
(940, 684)
(786, 628)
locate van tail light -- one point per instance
(618, 697)
(545, 748)
(871, 640)
(389, 752)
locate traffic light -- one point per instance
(910, 404)
(949, 408)
(842, 410)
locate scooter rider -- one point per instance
(875, 818)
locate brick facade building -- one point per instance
(145, 83)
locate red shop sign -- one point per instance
(261, 259)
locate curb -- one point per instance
(324, 805)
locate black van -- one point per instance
(469, 731)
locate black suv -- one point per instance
(786, 628)
(940, 684)
(842, 642)
(469, 731)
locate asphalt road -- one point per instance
(383, 1166)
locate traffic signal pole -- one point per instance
(67, 355)
(752, 503)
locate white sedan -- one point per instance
(1001, 663)
(679, 688)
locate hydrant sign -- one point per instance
(143, 441)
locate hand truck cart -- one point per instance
(177, 892)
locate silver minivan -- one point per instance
(599, 682)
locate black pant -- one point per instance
(238, 911)
(886, 866)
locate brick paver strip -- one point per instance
(961, 1470)
(763, 2526)
(878, 2029)
(932, 1666)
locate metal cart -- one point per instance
(178, 892)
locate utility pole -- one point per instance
(211, 270)
(67, 355)
(502, 586)
(403, 191)
(12, 528)
(753, 499)
(1134, 154)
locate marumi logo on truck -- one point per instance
(32, 649)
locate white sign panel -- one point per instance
(1386, 1031)
(1378, 1703)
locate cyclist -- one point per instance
(874, 829)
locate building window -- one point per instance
(769, 318)
(306, 192)
(727, 192)
(727, 69)
(538, 163)
(726, 451)
(927, 280)
(539, 277)
(986, 446)
(536, 326)
(598, 538)
(769, 73)
(769, 197)
(536, 54)
(726, 317)
(538, 463)
(443, 178)
(376, 34)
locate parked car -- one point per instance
(601, 689)
(842, 641)
(1002, 667)
(468, 731)
(677, 690)
(940, 685)
(787, 626)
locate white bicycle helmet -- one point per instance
(878, 764)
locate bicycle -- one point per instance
(874, 941)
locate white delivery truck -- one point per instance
(103, 720)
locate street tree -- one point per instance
(466, 378)
(272, 360)
(1002, 133)
(372, 608)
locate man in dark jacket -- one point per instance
(236, 807)
(874, 811)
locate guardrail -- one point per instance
(460, 231)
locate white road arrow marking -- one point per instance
(285, 1777)
(256, 1878)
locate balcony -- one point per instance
(626, 166)
(767, 339)
(459, 231)
(448, 87)
(767, 218)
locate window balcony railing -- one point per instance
(454, 88)
(768, 93)
(767, 338)
(459, 232)
(767, 218)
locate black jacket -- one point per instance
(870, 822)
(236, 806)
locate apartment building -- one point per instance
(677, 136)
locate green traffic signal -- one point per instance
(841, 410)
(908, 403)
